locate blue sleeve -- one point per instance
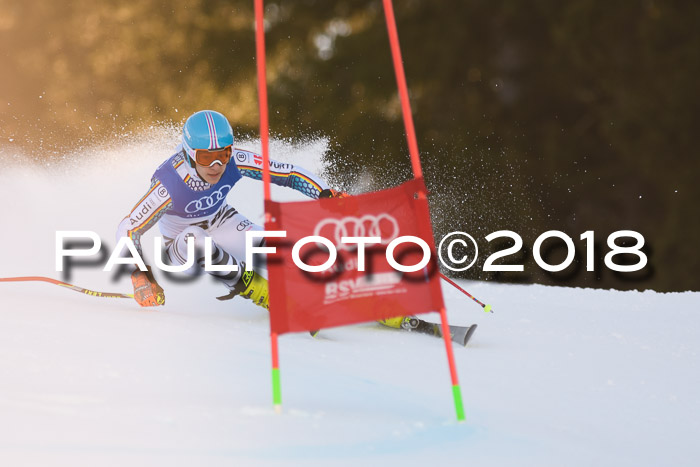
(281, 173)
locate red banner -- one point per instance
(304, 301)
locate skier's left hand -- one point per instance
(330, 193)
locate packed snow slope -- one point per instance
(556, 376)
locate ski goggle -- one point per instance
(209, 157)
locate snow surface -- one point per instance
(556, 376)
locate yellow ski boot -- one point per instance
(255, 288)
(401, 322)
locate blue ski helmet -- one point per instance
(206, 129)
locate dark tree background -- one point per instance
(570, 115)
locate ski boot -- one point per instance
(408, 323)
(254, 288)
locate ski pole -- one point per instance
(92, 293)
(487, 308)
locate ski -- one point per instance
(458, 334)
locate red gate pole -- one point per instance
(262, 98)
(264, 141)
(418, 173)
(403, 89)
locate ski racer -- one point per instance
(187, 198)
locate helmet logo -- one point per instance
(213, 139)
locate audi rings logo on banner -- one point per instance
(382, 225)
(207, 202)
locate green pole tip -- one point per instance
(487, 309)
(459, 407)
(278, 408)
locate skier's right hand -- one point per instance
(147, 292)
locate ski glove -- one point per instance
(147, 292)
(330, 193)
